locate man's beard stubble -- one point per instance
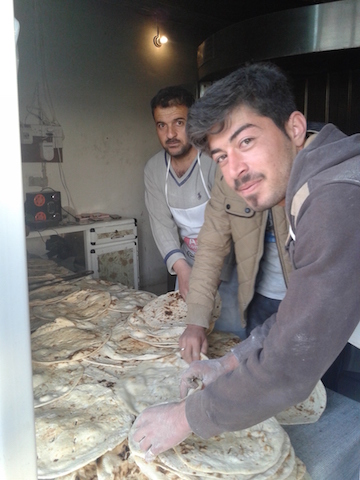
(252, 200)
(181, 153)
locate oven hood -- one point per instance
(323, 28)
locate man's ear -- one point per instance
(296, 128)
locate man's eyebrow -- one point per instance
(233, 136)
(239, 130)
(172, 121)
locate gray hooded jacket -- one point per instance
(282, 360)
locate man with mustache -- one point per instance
(178, 182)
(249, 124)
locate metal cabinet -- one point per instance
(110, 248)
(112, 252)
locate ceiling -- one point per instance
(204, 17)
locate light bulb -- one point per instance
(163, 39)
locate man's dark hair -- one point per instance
(170, 96)
(263, 87)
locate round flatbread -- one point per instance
(51, 293)
(143, 384)
(118, 465)
(123, 348)
(62, 341)
(308, 411)
(252, 450)
(114, 465)
(51, 382)
(220, 343)
(100, 284)
(162, 321)
(157, 471)
(172, 465)
(78, 306)
(79, 428)
(129, 300)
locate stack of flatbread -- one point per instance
(43, 270)
(308, 411)
(161, 322)
(79, 428)
(261, 452)
(102, 353)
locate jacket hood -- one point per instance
(332, 156)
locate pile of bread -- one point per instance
(101, 354)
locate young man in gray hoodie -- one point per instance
(249, 124)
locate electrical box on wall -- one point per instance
(41, 143)
(43, 209)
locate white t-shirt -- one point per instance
(270, 281)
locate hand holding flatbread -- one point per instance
(159, 428)
(206, 371)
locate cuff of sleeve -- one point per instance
(172, 259)
(198, 315)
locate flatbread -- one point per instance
(100, 284)
(51, 293)
(36, 263)
(123, 348)
(308, 411)
(51, 382)
(130, 300)
(36, 323)
(171, 465)
(143, 384)
(301, 473)
(43, 270)
(38, 277)
(252, 450)
(79, 428)
(62, 341)
(157, 471)
(280, 468)
(162, 321)
(220, 343)
(118, 465)
(154, 340)
(78, 306)
(88, 472)
(114, 465)
(107, 320)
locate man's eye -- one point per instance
(180, 123)
(160, 126)
(246, 141)
(220, 159)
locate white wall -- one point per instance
(102, 69)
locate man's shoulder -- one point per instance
(156, 161)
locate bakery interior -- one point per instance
(85, 71)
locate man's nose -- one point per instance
(237, 166)
(171, 131)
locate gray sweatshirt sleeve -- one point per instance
(282, 361)
(163, 226)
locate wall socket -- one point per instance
(38, 182)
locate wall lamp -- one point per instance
(159, 39)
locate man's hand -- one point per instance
(207, 371)
(193, 342)
(183, 271)
(159, 428)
